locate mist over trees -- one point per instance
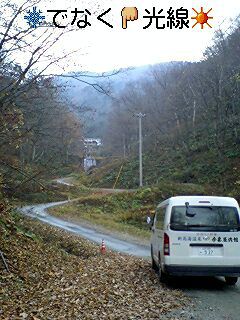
(192, 117)
(191, 130)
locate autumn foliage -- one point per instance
(55, 275)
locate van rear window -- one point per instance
(204, 218)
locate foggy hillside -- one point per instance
(82, 93)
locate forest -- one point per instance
(40, 134)
(191, 130)
(191, 146)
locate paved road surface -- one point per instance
(214, 300)
(39, 212)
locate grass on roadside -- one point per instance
(125, 212)
(95, 216)
(53, 192)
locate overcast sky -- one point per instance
(104, 48)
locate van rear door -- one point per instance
(208, 235)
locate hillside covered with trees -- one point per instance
(40, 135)
(191, 131)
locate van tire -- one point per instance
(231, 280)
(161, 275)
(154, 265)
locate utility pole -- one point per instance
(140, 116)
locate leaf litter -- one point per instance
(57, 275)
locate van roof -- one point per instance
(200, 200)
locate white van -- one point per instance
(197, 236)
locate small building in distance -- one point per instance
(92, 149)
(89, 162)
(92, 142)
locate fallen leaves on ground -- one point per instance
(61, 276)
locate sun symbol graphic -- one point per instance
(202, 18)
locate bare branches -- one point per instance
(190, 106)
(4, 261)
(96, 86)
(21, 172)
(10, 25)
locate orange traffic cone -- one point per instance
(103, 247)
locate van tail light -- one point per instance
(166, 245)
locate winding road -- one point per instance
(213, 299)
(40, 212)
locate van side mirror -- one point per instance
(151, 223)
(149, 220)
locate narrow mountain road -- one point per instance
(40, 212)
(213, 298)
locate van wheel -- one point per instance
(154, 265)
(231, 280)
(161, 275)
